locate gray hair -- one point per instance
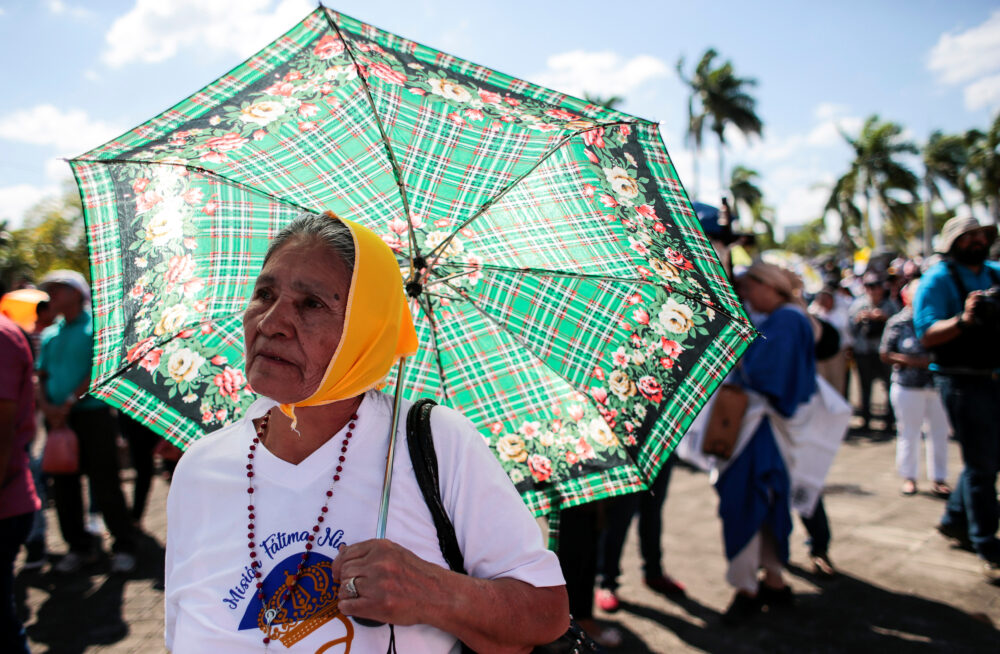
(326, 227)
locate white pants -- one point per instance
(759, 553)
(920, 410)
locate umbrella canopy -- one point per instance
(565, 298)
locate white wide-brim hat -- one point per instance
(959, 226)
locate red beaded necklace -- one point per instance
(255, 564)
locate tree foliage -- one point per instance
(946, 159)
(877, 176)
(717, 93)
(983, 167)
(808, 240)
(610, 102)
(748, 196)
(51, 238)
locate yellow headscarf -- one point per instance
(378, 327)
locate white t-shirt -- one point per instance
(211, 601)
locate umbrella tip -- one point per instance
(414, 289)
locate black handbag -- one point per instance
(420, 441)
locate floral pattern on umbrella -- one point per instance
(569, 304)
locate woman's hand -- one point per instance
(489, 615)
(393, 584)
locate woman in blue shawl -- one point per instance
(779, 372)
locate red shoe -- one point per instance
(665, 585)
(606, 600)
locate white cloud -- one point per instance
(831, 132)
(971, 57)
(58, 7)
(802, 204)
(155, 31)
(983, 93)
(829, 110)
(16, 200)
(599, 73)
(68, 131)
(57, 170)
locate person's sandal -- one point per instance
(822, 566)
(742, 608)
(941, 489)
(775, 597)
(606, 600)
(665, 585)
(909, 487)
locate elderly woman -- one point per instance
(754, 485)
(271, 519)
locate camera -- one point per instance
(987, 311)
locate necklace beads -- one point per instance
(255, 564)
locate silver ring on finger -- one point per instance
(350, 590)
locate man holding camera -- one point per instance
(957, 318)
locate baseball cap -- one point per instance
(715, 229)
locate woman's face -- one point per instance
(295, 319)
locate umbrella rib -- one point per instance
(542, 272)
(436, 252)
(532, 353)
(428, 311)
(197, 169)
(396, 170)
(442, 297)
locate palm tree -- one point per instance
(946, 160)
(717, 93)
(984, 166)
(610, 102)
(842, 202)
(693, 136)
(746, 193)
(878, 174)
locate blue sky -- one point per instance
(78, 73)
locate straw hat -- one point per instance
(782, 280)
(960, 225)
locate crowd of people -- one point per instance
(45, 375)
(925, 330)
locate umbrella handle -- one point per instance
(383, 511)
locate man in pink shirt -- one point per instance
(18, 500)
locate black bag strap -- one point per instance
(420, 442)
(959, 285)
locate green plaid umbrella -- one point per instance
(570, 305)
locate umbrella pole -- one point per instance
(383, 511)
